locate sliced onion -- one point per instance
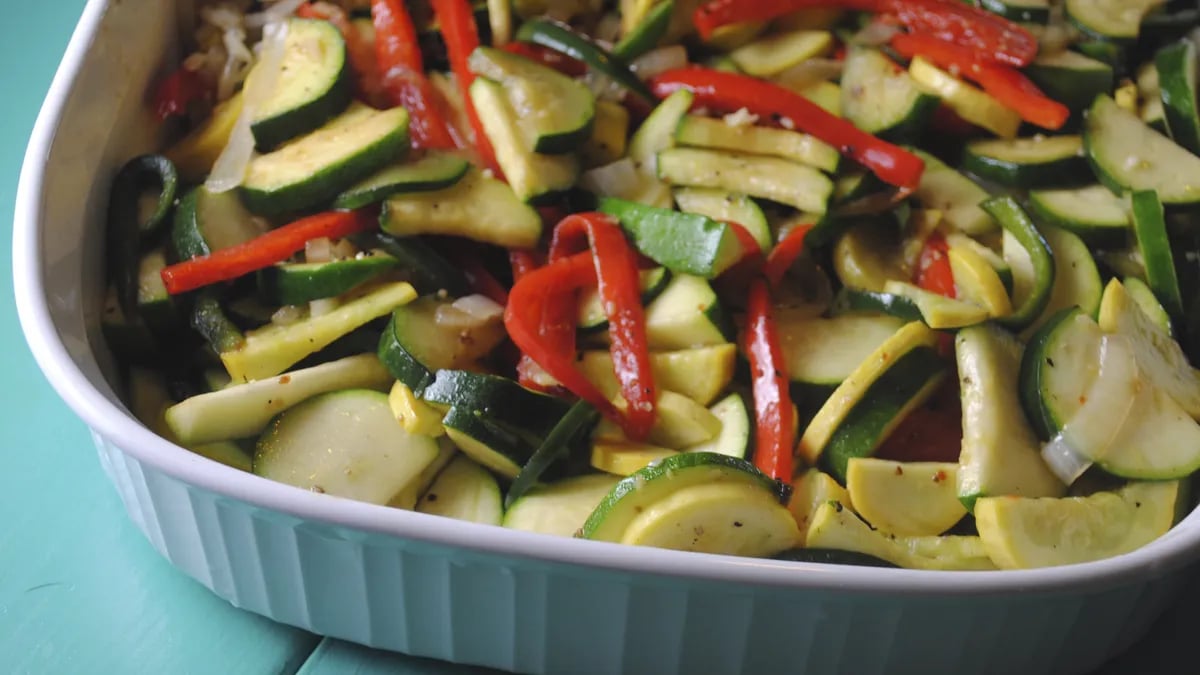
(230, 168)
(1064, 460)
(874, 34)
(318, 250)
(287, 315)
(479, 306)
(658, 61)
(619, 179)
(1086, 437)
(322, 306)
(277, 12)
(809, 72)
(468, 312)
(343, 249)
(603, 87)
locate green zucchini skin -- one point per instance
(314, 84)
(311, 170)
(1177, 81)
(126, 230)
(298, 283)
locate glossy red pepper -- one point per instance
(178, 92)
(775, 436)
(402, 73)
(933, 267)
(1007, 85)
(263, 251)
(732, 91)
(548, 57)
(359, 51)
(545, 334)
(990, 36)
(620, 294)
(457, 21)
(785, 253)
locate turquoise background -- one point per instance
(81, 591)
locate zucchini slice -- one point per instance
(657, 133)
(905, 498)
(773, 54)
(971, 104)
(958, 198)
(1076, 279)
(464, 491)
(938, 311)
(1093, 213)
(555, 113)
(434, 171)
(734, 439)
(873, 411)
(210, 221)
(1030, 532)
(559, 508)
(700, 374)
(1021, 11)
(533, 176)
(270, 350)
(477, 207)
(882, 99)
(1001, 454)
(244, 410)
(1160, 359)
(1127, 155)
(1150, 227)
(724, 206)
(683, 243)
(591, 308)
(415, 345)
(826, 351)
(1058, 366)
(834, 526)
(346, 444)
(298, 283)
(492, 446)
(1071, 78)
(313, 85)
(724, 518)
(1026, 162)
(779, 180)
(705, 132)
(625, 459)
(312, 169)
(633, 495)
(1111, 20)
(1176, 65)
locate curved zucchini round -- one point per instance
(314, 84)
(1093, 213)
(1026, 162)
(1177, 85)
(1127, 155)
(346, 444)
(434, 171)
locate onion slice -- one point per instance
(1087, 436)
(230, 168)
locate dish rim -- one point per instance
(1176, 549)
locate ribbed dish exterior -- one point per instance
(531, 616)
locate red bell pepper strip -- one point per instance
(178, 92)
(988, 35)
(785, 253)
(462, 37)
(775, 436)
(617, 274)
(523, 262)
(732, 91)
(1008, 85)
(403, 74)
(548, 57)
(710, 16)
(263, 251)
(358, 50)
(536, 325)
(933, 267)
(991, 36)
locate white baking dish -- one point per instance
(475, 594)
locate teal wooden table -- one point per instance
(80, 590)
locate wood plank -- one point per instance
(81, 590)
